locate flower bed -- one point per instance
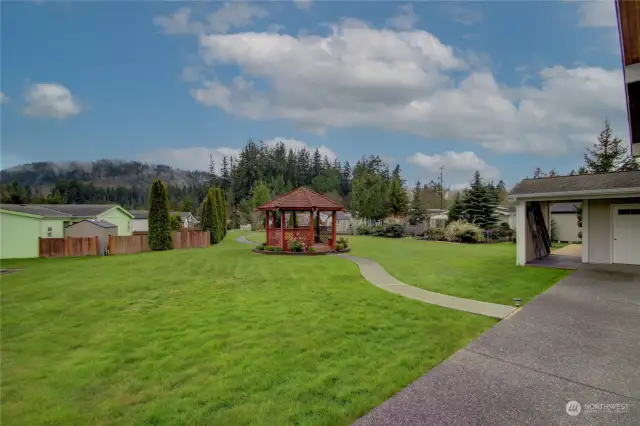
(299, 247)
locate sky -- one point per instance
(501, 87)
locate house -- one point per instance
(22, 224)
(93, 227)
(505, 215)
(141, 220)
(629, 28)
(610, 216)
(565, 222)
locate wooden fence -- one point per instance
(69, 246)
(140, 243)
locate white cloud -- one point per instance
(303, 4)
(465, 15)
(192, 158)
(407, 81)
(297, 145)
(50, 100)
(598, 14)
(228, 16)
(459, 167)
(404, 19)
(3, 98)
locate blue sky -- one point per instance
(502, 87)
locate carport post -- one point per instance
(585, 231)
(521, 233)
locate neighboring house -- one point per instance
(141, 220)
(93, 227)
(437, 218)
(610, 215)
(504, 215)
(22, 224)
(565, 219)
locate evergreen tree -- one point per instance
(479, 203)
(398, 199)
(417, 211)
(456, 212)
(609, 154)
(207, 216)
(217, 210)
(160, 233)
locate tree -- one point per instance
(398, 199)
(187, 205)
(207, 215)
(222, 207)
(417, 211)
(259, 195)
(160, 234)
(456, 212)
(176, 222)
(369, 198)
(608, 154)
(479, 203)
(219, 226)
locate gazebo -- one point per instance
(301, 214)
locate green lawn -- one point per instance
(485, 272)
(218, 336)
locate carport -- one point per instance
(610, 217)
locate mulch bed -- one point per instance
(297, 253)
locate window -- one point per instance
(49, 232)
(628, 211)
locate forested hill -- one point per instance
(102, 173)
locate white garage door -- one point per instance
(626, 234)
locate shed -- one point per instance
(91, 228)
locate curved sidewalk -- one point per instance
(376, 275)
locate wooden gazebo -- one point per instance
(300, 214)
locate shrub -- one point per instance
(271, 248)
(311, 250)
(464, 232)
(394, 231)
(297, 246)
(580, 235)
(160, 233)
(363, 230)
(435, 234)
(277, 249)
(260, 247)
(339, 247)
(343, 241)
(377, 231)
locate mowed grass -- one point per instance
(485, 272)
(218, 336)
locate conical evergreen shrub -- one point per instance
(160, 233)
(207, 216)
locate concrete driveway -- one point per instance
(578, 341)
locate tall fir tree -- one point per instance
(608, 154)
(207, 215)
(218, 228)
(417, 211)
(480, 203)
(456, 212)
(398, 199)
(160, 233)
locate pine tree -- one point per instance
(479, 204)
(223, 211)
(609, 154)
(417, 211)
(398, 199)
(218, 228)
(160, 233)
(456, 212)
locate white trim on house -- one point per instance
(585, 231)
(521, 221)
(632, 73)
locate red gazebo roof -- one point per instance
(301, 199)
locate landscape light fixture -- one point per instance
(517, 301)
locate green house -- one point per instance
(22, 224)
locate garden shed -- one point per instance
(92, 228)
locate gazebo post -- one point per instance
(333, 229)
(266, 225)
(282, 233)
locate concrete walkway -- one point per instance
(570, 250)
(376, 275)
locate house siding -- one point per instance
(566, 226)
(57, 228)
(600, 238)
(140, 225)
(19, 236)
(118, 218)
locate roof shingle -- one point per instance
(301, 199)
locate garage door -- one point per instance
(626, 234)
